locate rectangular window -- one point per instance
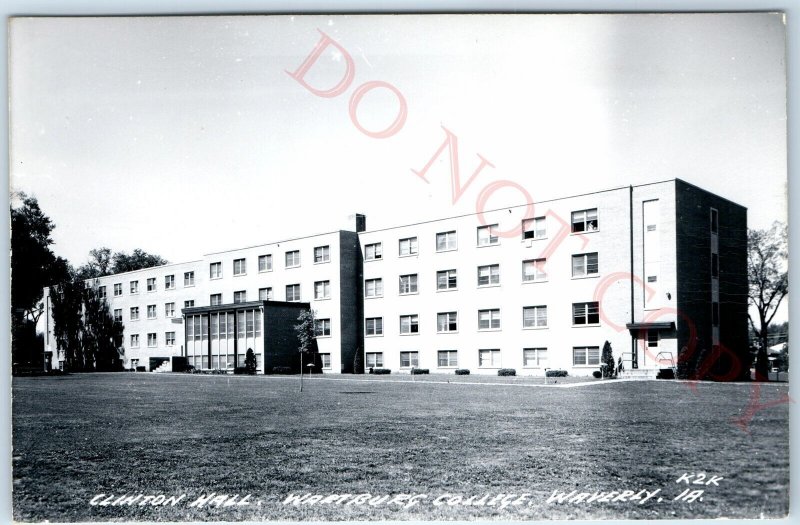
(239, 266)
(586, 355)
(265, 263)
(715, 265)
(447, 322)
(151, 311)
(151, 284)
(487, 236)
(322, 254)
(584, 264)
(134, 313)
(533, 270)
(152, 340)
(118, 315)
(293, 293)
(489, 275)
(117, 289)
(409, 324)
(373, 288)
(322, 290)
(134, 287)
(188, 278)
(374, 359)
(169, 282)
(134, 340)
(446, 241)
(408, 284)
(101, 292)
(534, 357)
(408, 247)
(585, 313)
(169, 309)
(714, 221)
(652, 339)
(215, 270)
(265, 294)
(322, 327)
(584, 221)
(215, 299)
(489, 319)
(189, 303)
(489, 358)
(447, 358)
(534, 228)
(715, 314)
(409, 359)
(326, 361)
(293, 259)
(446, 280)
(534, 316)
(373, 326)
(240, 296)
(169, 338)
(373, 252)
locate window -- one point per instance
(169, 282)
(652, 278)
(215, 299)
(409, 359)
(134, 313)
(293, 259)
(265, 294)
(584, 264)
(715, 265)
(374, 359)
(486, 235)
(151, 284)
(533, 270)
(714, 221)
(326, 360)
(101, 292)
(134, 340)
(489, 358)
(265, 263)
(240, 296)
(215, 270)
(293, 292)
(373, 288)
(322, 290)
(584, 221)
(188, 278)
(585, 313)
(447, 322)
(586, 355)
(408, 247)
(534, 357)
(151, 311)
(534, 316)
(489, 319)
(189, 303)
(152, 340)
(409, 324)
(373, 326)
(118, 315)
(489, 275)
(652, 339)
(446, 280)
(408, 284)
(373, 252)
(447, 358)
(134, 287)
(715, 314)
(169, 338)
(239, 266)
(534, 228)
(117, 289)
(322, 254)
(169, 309)
(446, 241)
(322, 327)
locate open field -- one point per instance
(79, 436)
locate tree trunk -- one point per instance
(762, 361)
(301, 371)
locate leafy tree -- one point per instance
(99, 264)
(250, 361)
(306, 337)
(67, 310)
(769, 284)
(607, 358)
(102, 335)
(122, 262)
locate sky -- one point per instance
(188, 135)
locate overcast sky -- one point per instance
(185, 136)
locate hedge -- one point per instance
(556, 373)
(282, 370)
(597, 374)
(507, 372)
(380, 371)
(462, 372)
(419, 371)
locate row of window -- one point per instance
(322, 254)
(488, 235)
(169, 284)
(152, 339)
(489, 358)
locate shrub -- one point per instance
(141, 369)
(507, 372)
(240, 370)
(608, 359)
(419, 371)
(556, 373)
(462, 372)
(597, 374)
(381, 371)
(282, 370)
(665, 373)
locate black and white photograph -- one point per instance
(399, 267)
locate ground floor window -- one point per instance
(409, 359)
(326, 360)
(374, 359)
(586, 355)
(489, 358)
(534, 357)
(448, 358)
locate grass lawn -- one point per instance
(78, 436)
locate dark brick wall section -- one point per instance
(280, 339)
(351, 301)
(693, 252)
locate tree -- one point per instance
(306, 336)
(67, 310)
(607, 359)
(122, 262)
(769, 284)
(250, 361)
(99, 264)
(102, 334)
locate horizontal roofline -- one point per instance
(275, 242)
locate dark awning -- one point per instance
(635, 327)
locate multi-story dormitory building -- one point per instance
(658, 270)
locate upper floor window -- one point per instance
(169, 282)
(534, 316)
(447, 322)
(189, 303)
(488, 275)
(265, 263)
(534, 228)
(586, 313)
(215, 270)
(134, 313)
(239, 266)
(293, 259)
(584, 264)
(489, 319)
(240, 296)
(584, 220)
(151, 311)
(373, 252)
(151, 284)
(446, 280)
(322, 290)
(118, 315)
(322, 254)
(188, 278)
(101, 292)
(117, 289)
(446, 241)
(134, 340)
(152, 339)
(714, 221)
(293, 292)
(487, 236)
(169, 309)
(408, 246)
(533, 270)
(134, 287)
(373, 326)
(216, 299)
(373, 287)
(169, 338)
(409, 324)
(322, 327)
(265, 294)
(408, 284)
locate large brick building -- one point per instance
(657, 270)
